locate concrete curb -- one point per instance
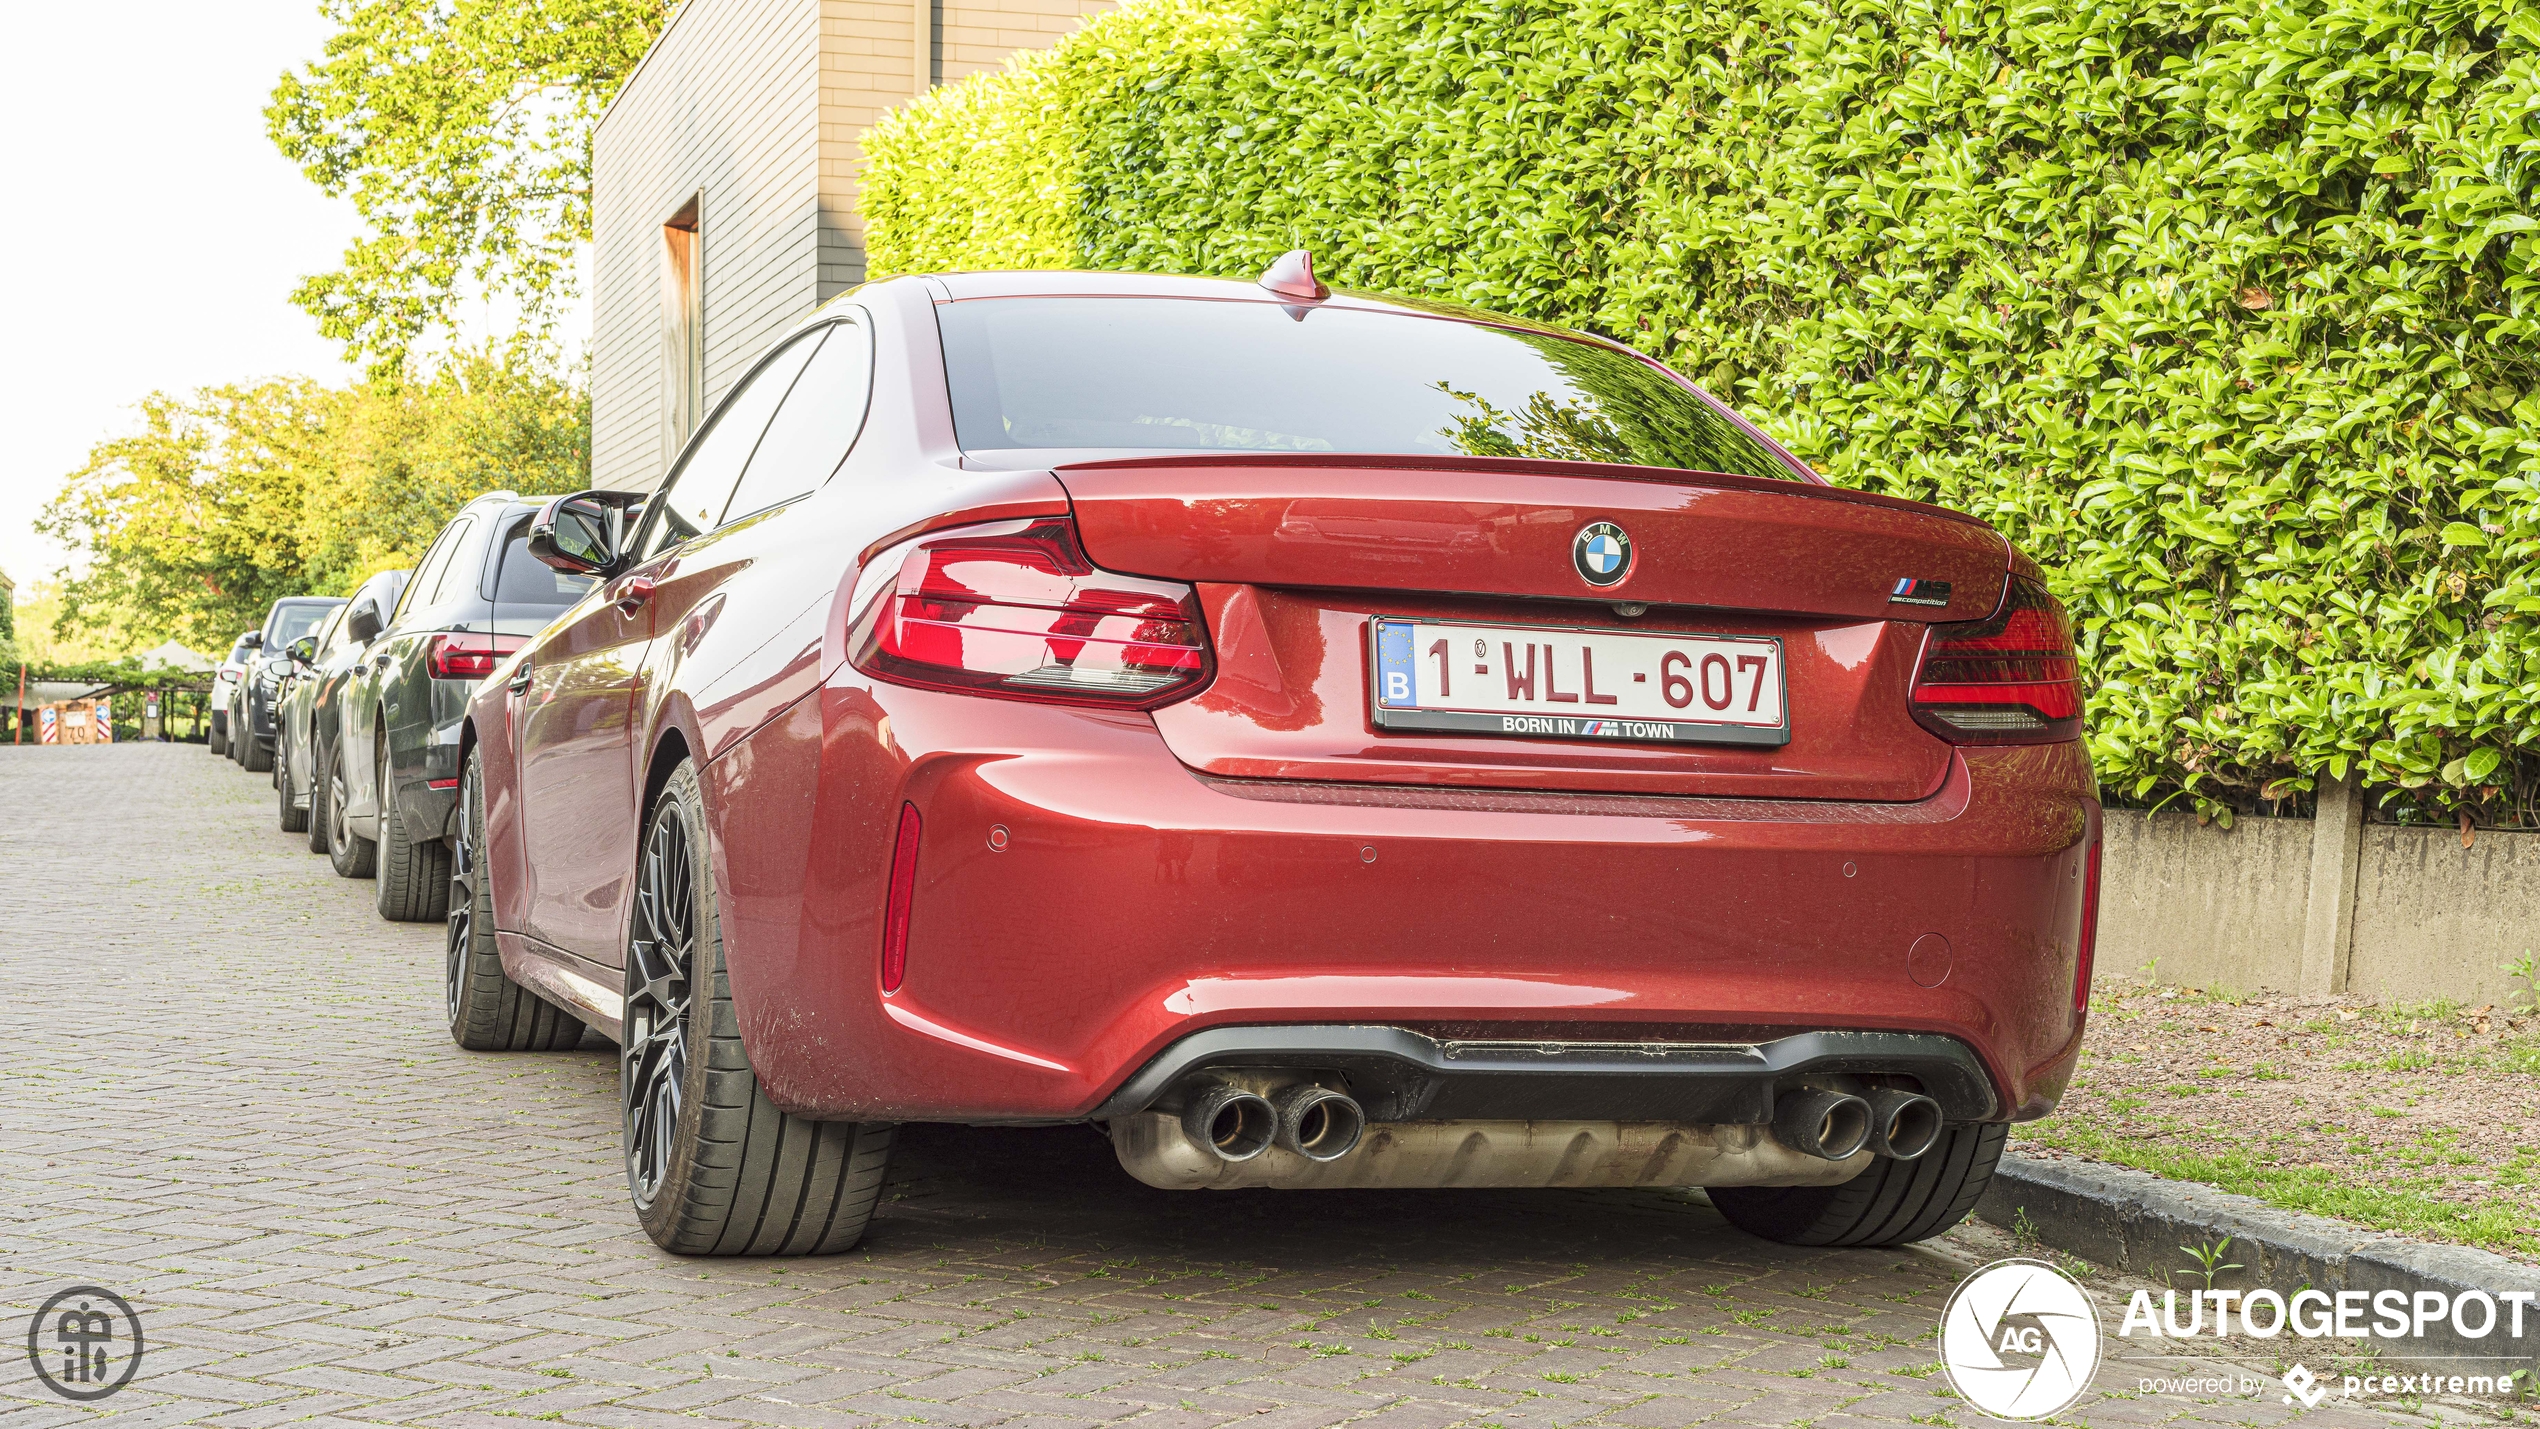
(2137, 1222)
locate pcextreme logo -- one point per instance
(2019, 1340)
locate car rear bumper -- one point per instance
(1400, 1075)
(428, 771)
(1084, 903)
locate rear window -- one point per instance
(523, 585)
(1178, 374)
(290, 622)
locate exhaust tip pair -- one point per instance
(1316, 1123)
(1835, 1125)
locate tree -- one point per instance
(407, 455)
(232, 497)
(461, 130)
(194, 519)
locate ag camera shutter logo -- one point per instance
(2019, 1340)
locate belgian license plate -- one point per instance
(1551, 682)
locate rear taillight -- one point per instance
(2089, 928)
(468, 657)
(2010, 679)
(1015, 610)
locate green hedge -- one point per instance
(2223, 312)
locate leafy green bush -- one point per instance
(2223, 312)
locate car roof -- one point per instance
(963, 287)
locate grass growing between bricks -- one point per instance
(2413, 1119)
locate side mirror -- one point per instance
(582, 534)
(304, 649)
(362, 622)
(255, 639)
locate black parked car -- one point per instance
(476, 596)
(251, 704)
(312, 702)
(302, 653)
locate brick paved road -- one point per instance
(232, 1102)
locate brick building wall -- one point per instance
(755, 110)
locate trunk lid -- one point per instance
(1295, 557)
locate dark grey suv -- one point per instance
(476, 596)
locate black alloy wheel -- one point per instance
(488, 1011)
(295, 820)
(655, 1077)
(320, 841)
(460, 936)
(715, 1167)
(352, 855)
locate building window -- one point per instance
(683, 331)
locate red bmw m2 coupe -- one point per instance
(1323, 740)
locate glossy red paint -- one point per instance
(1202, 902)
(1207, 863)
(1499, 526)
(1290, 702)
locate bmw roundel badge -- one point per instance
(1602, 553)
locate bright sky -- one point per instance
(158, 234)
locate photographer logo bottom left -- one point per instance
(85, 1343)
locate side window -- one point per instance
(435, 562)
(465, 571)
(815, 426)
(703, 484)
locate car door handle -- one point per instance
(519, 682)
(634, 592)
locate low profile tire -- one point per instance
(319, 841)
(1892, 1203)
(294, 820)
(714, 1167)
(352, 855)
(488, 1011)
(414, 874)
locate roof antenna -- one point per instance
(1293, 277)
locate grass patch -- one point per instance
(2398, 1204)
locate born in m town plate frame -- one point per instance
(1577, 682)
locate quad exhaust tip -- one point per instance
(1235, 1124)
(1889, 1121)
(1833, 1125)
(1318, 1123)
(1903, 1124)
